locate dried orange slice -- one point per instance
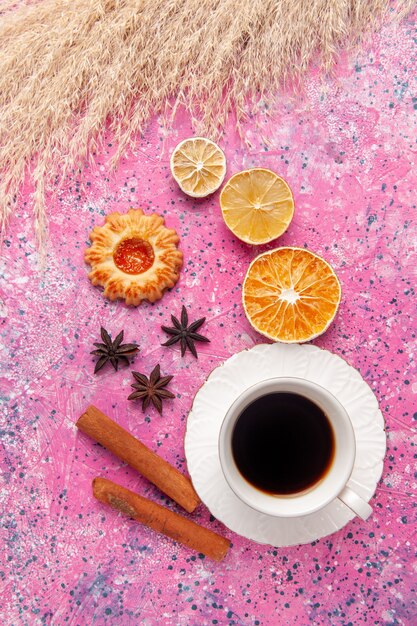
(290, 294)
(199, 166)
(257, 205)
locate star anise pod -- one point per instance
(184, 333)
(151, 389)
(113, 351)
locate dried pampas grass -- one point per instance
(68, 68)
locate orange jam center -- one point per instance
(134, 256)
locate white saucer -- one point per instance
(220, 390)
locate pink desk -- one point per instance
(348, 150)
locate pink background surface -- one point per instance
(347, 147)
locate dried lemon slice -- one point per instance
(199, 166)
(290, 294)
(257, 205)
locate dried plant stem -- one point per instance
(69, 67)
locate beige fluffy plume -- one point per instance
(68, 67)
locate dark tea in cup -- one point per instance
(287, 449)
(283, 443)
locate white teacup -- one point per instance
(334, 482)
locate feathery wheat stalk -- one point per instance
(69, 67)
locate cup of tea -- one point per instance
(287, 448)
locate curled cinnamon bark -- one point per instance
(161, 519)
(168, 479)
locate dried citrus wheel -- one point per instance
(199, 166)
(290, 294)
(257, 205)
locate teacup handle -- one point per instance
(361, 508)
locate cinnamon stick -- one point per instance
(124, 445)
(161, 519)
